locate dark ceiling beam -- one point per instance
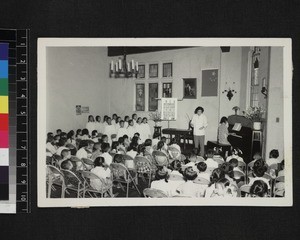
(118, 51)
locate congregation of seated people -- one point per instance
(157, 164)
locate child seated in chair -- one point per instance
(105, 147)
(102, 171)
(85, 134)
(174, 144)
(189, 188)
(210, 162)
(223, 188)
(259, 188)
(94, 136)
(176, 170)
(273, 157)
(65, 155)
(259, 170)
(235, 153)
(161, 181)
(68, 165)
(96, 151)
(202, 167)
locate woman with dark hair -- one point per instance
(199, 123)
(71, 138)
(223, 131)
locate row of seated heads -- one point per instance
(115, 117)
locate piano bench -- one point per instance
(213, 144)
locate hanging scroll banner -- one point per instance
(169, 109)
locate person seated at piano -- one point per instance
(235, 153)
(223, 131)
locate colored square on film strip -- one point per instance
(4, 123)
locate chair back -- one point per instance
(128, 161)
(87, 163)
(88, 176)
(202, 181)
(237, 175)
(71, 179)
(120, 172)
(245, 189)
(154, 193)
(174, 153)
(142, 164)
(160, 158)
(53, 171)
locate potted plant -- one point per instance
(155, 117)
(256, 115)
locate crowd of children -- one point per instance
(110, 141)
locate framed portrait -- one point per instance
(140, 97)
(167, 90)
(190, 88)
(153, 95)
(210, 83)
(141, 73)
(153, 70)
(167, 70)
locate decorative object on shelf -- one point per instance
(255, 66)
(153, 70)
(256, 115)
(190, 88)
(123, 69)
(167, 70)
(155, 117)
(230, 92)
(235, 109)
(264, 89)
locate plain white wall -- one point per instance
(75, 76)
(275, 103)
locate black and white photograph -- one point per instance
(229, 144)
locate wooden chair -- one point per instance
(143, 166)
(87, 163)
(202, 181)
(129, 162)
(55, 176)
(278, 186)
(106, 188)
(121, 174)
(174, 153)
(154, 193)
(73, 183)
(245, 189)
(160, 158)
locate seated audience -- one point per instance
(71, 138)
(78, 134)
(189, 188)
(85, 134)
(202, 167)
(259, 188)
(259, 170)
(94, 136)
(210, 162)
(161, 181)
(102, 171)
(130, 129)
(121, 130)
(273, 157)
(235, 153)
(105, 147)
(50, 145)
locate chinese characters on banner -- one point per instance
(169, 108)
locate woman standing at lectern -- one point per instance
(199, 123)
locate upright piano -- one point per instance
(243, 139)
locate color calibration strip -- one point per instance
(4, 129)
(17, 121)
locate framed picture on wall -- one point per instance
(153, 70)
(167, 70)
(140, 97)
(190, 88)
(153, 95)
(141, 73)
(210, 83)
(167, 90)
